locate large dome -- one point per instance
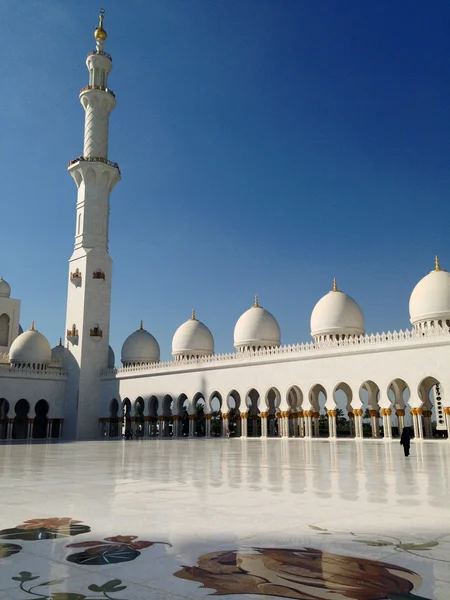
(336, 314)
(192, 338)
(30, 348)
(139, 348)
(5, 288)
(256, 328)
(430, 299)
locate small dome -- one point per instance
(256, 328)
(139, 348)
(336, 314)
(111, 358)
(5, 288)
(30, 348)
(192, 338)
(58, 352)
(430, 299)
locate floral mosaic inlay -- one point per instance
(45, 529)
(121, 548)
(304, 574)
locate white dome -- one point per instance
(430, 299)
(140, 347)
(192, 338)
(111, 358)
(256, 328)
(5, 288)
(31, 348)
(336, 314)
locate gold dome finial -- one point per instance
(32, 326)
(141, 326)
(193, 315)
(437, 266)
(335, 287)
(100, 33)
(60, 342)
(256, 304)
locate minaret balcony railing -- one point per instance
(97, 87)
(105, 161)
(105, 54)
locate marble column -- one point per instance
(374, 421)
(447, 419)
(293, 419)
(225, 425)
(161, 426)
(264, 416)
(387, 426)
(244, 417)
(427, 423)
(207, 425)
(332, 423)
(301, 425)
(400, 420)
(351, 423)
(359, 431)
(417, 422)
(191, 425)
(307, 415)
(316, 417)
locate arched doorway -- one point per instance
(234, 414)
(139, 417)
(199, 412)
(431, 393)
(114, 418)
(318, 399)
(153, 416)
(40, 421)
(343, 396)
(215, 424)
(271, 425)
(4, 410)
(252, 401)
(20, 423)
(166, 419)
(399, 394)
(126, 421)
(369, 394)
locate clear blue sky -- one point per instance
(266, 146)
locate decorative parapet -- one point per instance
(18, 371)
(361, 343)
(4, 358)
(98, 274)
(75, 277)
(96, 332)
(99, 159)
(102, 88)
(72, 334)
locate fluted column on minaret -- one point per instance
(90, 266)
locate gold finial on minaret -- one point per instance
(141, 326)
(256, 304)
(335, 287)
(32, 326)
(100, 33)
(193, 315)
(437, 266)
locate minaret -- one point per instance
(90, 266)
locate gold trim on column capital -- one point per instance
(446, 410)
(264, 415)
(332, 413)
(316, 415)
(400, 413)
(358, 412)
(191, 417)
(351, 415)
(386, 412)
(374, 413)
(427, 413)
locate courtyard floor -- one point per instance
(178, 518)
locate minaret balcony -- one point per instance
(75, 277)
(101, 53)
(72, 334)
(98, 274)
(96, 333)
(97, 87)
(100, 159)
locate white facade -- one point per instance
(381, 382)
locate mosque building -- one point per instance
(263, 389)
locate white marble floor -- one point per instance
(282, 518)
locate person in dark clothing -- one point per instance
(405, 440)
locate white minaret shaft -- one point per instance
(90, 266)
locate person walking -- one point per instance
(405, 440)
